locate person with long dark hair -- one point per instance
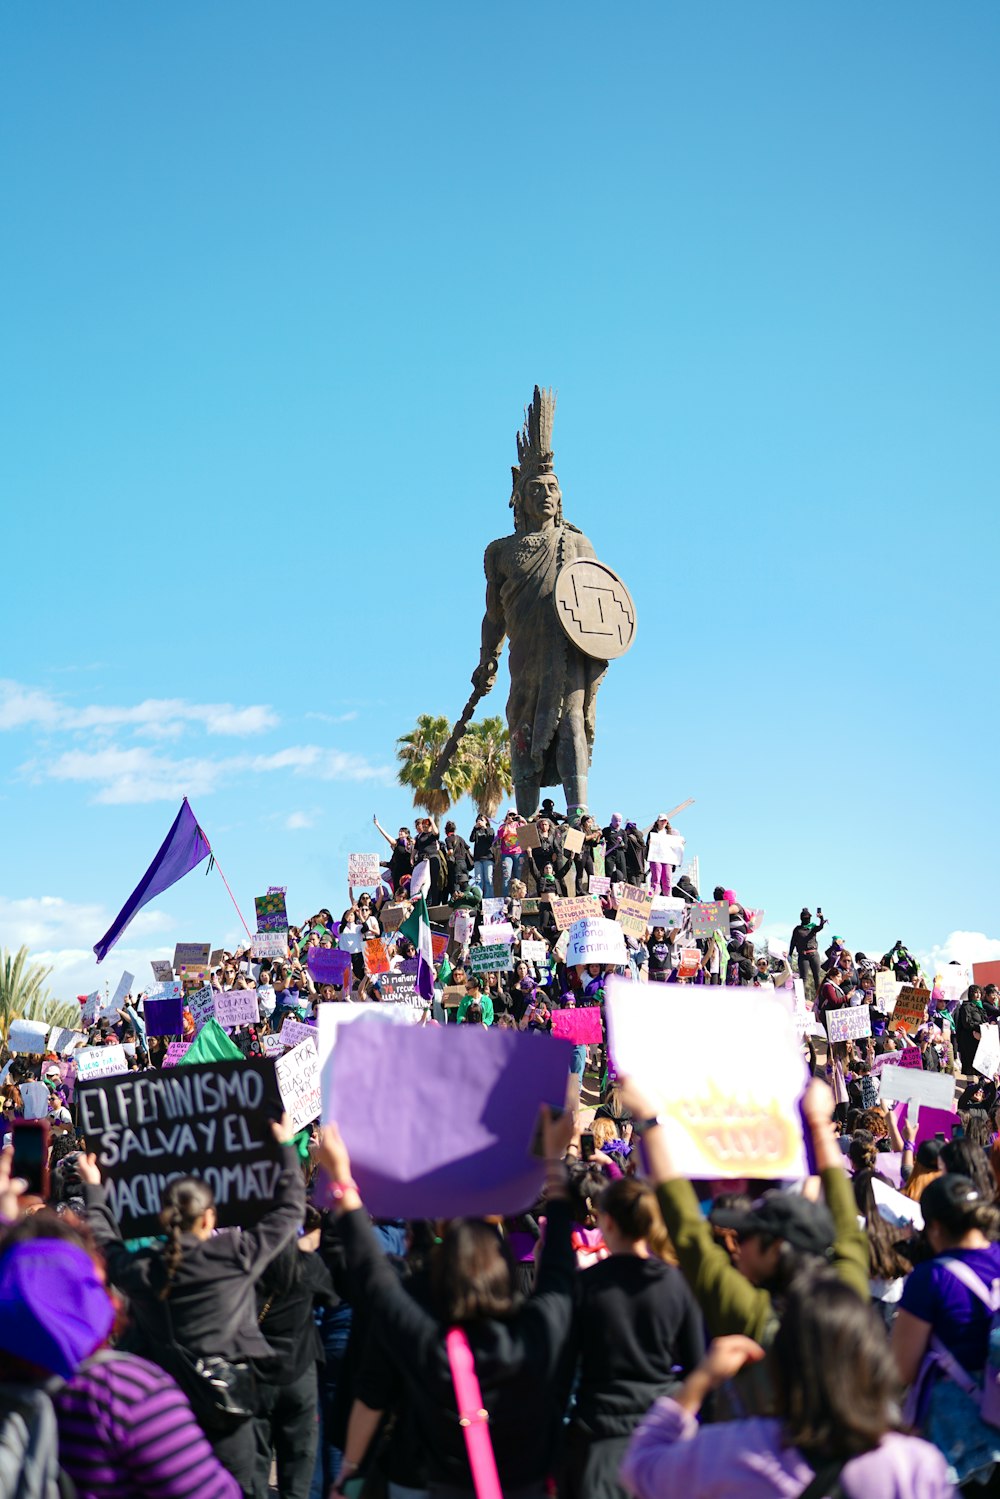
(636, 1330)
(519, 1347)
(834, 1426)
(197, 1293)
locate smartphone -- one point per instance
(958, 1132)
(587, 1146)
(31, 1154)
(939, 1137)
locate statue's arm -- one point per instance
(494, 627)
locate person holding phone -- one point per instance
(805, 946)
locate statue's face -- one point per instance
(541, 499)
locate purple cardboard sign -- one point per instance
(328, 965)
(164, 1017)
(483, 1090)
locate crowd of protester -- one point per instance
(632, 1332)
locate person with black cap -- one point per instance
(778, 1237)
(805, 945)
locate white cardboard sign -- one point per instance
(298, 1083)
(100, 1061)
(596, 941)
(935, 1089)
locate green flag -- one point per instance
(212, 1045)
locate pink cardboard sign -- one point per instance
(582, 1027)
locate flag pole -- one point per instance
(213, 860)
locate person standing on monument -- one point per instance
(553, 682)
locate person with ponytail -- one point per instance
(941, 1337)
(637, 1333)
(194, 1297)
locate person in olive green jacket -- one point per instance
(776, 1238)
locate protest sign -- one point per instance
(399, 988)
(376, 956)
(271, 913)
(533, 952)
(100, 1061)
(236, 1007)
(911, 1008)
(464, 922)
(498, 931)
(34, 1100)
(393, 918)
(201, 1004)
(581, 1026)
(527, 837)
(599, 941)
(634, 906)
(89, 1012)
(935, 1089)
(192, 955)
(328, 965)
(493, 959)
(350, 941)
(530, 905)
(439, 945)
(210, 1120)
(572, 841)
(63, 1041)
(952, 981)
(494, 909)
(987, 1058)
(269, 944)
(163, 1017)
(908, 1057)
(363, 869)
(887, 989)
(690, 962)
(600, 884)
(120, 995)
(986, 973)
(709, 917)
(217, 958)
(174, 1052)
(271, 1046)
(667, 911)
(27, 1035)
(567, 909)
(849, 1023)
(162, 971)
(295, 1031)
(297, 1074)
(730, 1110)
(482, 1088)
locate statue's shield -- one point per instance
(595, 609)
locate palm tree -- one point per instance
(486, 750)
(417, 753)
(24, 993)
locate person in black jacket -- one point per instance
(637, 1332)
(199, 1289)
(519, 1347)
(458, 861)
(293, 1285)
(635, 855)
(805, 945)
(481, 838)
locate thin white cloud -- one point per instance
(24, 707)
(49, 922)
(139, 774)
(333, 717)
(296, 821)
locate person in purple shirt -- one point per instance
(125, 1430)
(835, 1391)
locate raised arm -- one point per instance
(391, 841)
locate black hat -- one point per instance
(807, 1226)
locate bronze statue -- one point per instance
(565, 615)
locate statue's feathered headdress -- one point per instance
(534, 441)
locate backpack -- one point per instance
(29, 1444)
(938, 1360)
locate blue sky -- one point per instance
(278, 282)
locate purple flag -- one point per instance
(183, 847)
(481, 1091)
